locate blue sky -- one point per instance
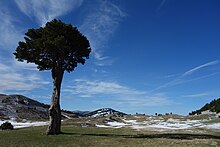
(147, 56)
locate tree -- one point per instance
(58, 47)
(6, 126)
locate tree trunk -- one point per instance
(54, 110)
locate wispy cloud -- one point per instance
(24, 65)
(191, 71)
(46, 10)
(12, 79)
(10, 34)
(196, 95)
(100, 25)
(118, 93)
(209, 94)
(90, 87)
(181, 79)
(161, 5)
(147, 100)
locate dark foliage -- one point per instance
(7, 126)
(56, 43)
(213, 106)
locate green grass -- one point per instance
(213, 121)
(201, 117)
(99, 137)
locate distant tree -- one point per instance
(57, 47)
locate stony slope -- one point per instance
(21, 107)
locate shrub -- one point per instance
(7, 126)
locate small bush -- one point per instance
(7, 126)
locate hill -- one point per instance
(104, 112)
(213, 106)
(22, 107)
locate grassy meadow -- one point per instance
(100, 137)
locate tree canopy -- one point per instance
(55, 44)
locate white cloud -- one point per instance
(100, 25)
(4, 68)
(118, 93)
(13, 79)
(10, 34)
(46, 10)
(24, 65)
(90, 87)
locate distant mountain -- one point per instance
(97, 113)
(213, 106)
(104, 112)
(21, 107)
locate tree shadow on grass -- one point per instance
(178, 136)
(166, 136)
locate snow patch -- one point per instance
(213, 126)
(25, 124)
(208, 112)
(161, 124)
(165, 125)
(130, 121)
(103, 126)
(112, 125)
(116, 124)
